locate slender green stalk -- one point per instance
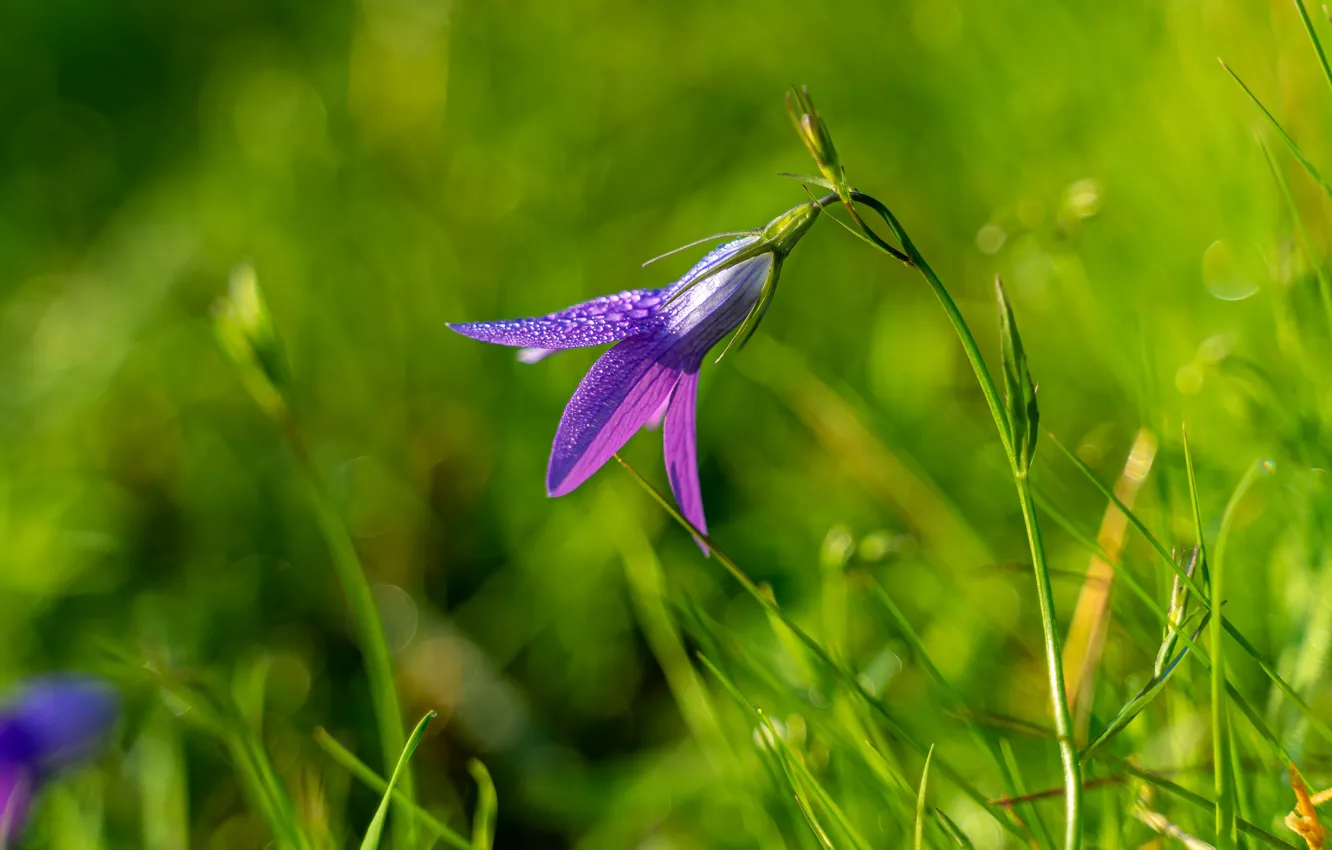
(1281, 131)
(487, 801)
(1156, 780)
(1226, 827)
(1202, 597)
(376, 828)
(379, 785)
(920, 802)
(922, 657)
(848, 676)
(1320, 273)
(1313, 37)
(1068, 752)
(988, 388)
(369, 629)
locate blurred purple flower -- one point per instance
(54, 722)
(661, 336)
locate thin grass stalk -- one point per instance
(370, 631)
(1201, 596)
(848, 676)
(379, 785)
(1068, 752)
(1226, 826)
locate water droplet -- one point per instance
(1223, 275)
(397, 611)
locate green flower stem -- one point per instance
(369, 629)
(1053, 655)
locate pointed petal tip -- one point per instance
(560, 485)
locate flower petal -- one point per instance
(655, 420)
(713, 258)
(57, 721)
(15, 798)
(716, 306)
(681, 451)
(618, 395)
(609, 318)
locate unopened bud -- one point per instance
(244, 329)
(814, 133)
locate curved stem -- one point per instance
(914, 258)
(1058, 695)
(369, 628)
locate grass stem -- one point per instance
(369, 629)
(1054, 661)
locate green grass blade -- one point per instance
(796, 768)
(1191, 644)
(1135, 706)
(920, 801)
(922, 657)
(895, 725)
(1224, 780)
(953, 831)
(1285, 687)
(212, 709)
(792, 766)
(1042, 837)
(813, 822)
(1280, 131)
(376, 783)
(1132, 518)
(372, 834)
(1313, 38)
(1177, 790)
(647, 593)
(772, 760)
(1193, 501)
(369, 627)
(1320, 273)
(487, 803)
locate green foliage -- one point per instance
(376, 828)
(335, 519)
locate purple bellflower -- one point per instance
(53, 723)
(651, 373)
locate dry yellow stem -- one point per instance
(1091, 619)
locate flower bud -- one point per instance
(814, 133)
(1020, 401)
(782, 233)
(244, 328)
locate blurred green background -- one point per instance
(392, 165)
